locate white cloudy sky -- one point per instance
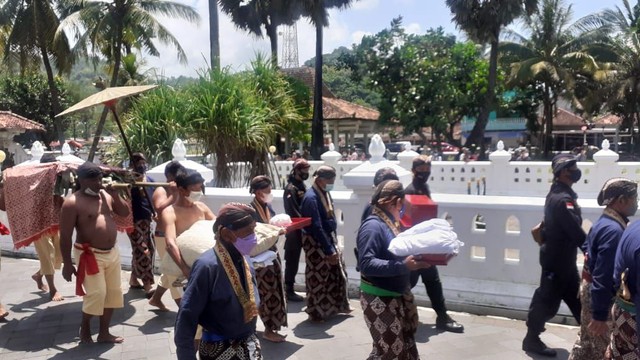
(346, 27)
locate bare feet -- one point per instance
(158, 304)
(55, 296)
(3, 313)
(273, 336)
(110, 339)
(85, 336)
(37, 277)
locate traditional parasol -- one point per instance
(108, 97)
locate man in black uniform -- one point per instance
(562, 236)
(293, 194)
(421, 169)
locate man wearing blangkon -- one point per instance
(90, 212)
(563, 235)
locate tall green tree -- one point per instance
(33, 25)
(423, 80)
(112, 28)
(554, 51)
(317, 11)
(483, 21)
(253, 15)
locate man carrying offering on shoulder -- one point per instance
(89, 211)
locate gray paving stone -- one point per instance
(39, 329)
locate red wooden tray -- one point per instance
(298, 223)
(436, 259)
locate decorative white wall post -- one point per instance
(499, 175)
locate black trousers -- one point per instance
(432, 284)
(292, 251)
(554, 287)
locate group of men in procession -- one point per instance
(225, 293)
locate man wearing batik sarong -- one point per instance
(273, 307)
(620, 196)
(221, 295)
(385, 289)
(325, 275)
(142, 249)
(626, 273)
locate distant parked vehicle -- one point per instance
(394, 148)
(444, 146)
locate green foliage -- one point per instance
(423, 80)
(154, 121)
(29, 96)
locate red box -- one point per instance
(436, 259)
(298, 223)
(418, 208)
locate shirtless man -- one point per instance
(163, 198)
(90, 212)
(183, 213)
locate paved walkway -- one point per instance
(39, 329)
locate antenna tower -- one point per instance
(289, 58)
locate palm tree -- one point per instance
(32, 27)
(214, 35)
(483, 21)
(254, 14)
(318, 14)
(113, 28)
(551, 56)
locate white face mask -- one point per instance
(268, 198)
(90, 192)
(195, 196)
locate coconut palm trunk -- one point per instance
(317, 122)
(214, 34)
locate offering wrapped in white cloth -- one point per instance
(435, 236)
(281, 220)
(199, 238)
(192, 243)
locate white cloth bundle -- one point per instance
(192, 243)
(433, 236)
(264, 259)
(281, 220)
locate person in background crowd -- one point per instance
(421, 169)
(293, 194)
(563, 235)
(383, 174)
(163, 198)
(142, 248)
(385, 293)
(326, 278)
(273, 306)
(620, 196)
(222, 294)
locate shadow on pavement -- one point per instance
(563, 354)
(84, 351)
(283, 350)
(318, 330)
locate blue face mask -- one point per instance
(246, 244)
(328, 187)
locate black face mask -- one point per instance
(575, 175)
(141, 169)
(303, 176)
(423, 176)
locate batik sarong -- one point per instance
(142, 251)
(326, 284)
(245, 349)
(273, 307)
(588, 346)
(624, 339)
(392, 322)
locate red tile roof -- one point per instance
(609, 120)
(338, 109)
(11, 121)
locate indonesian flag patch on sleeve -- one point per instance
(569, 205)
